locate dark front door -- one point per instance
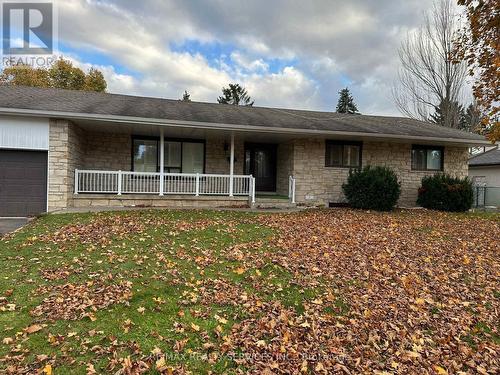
(23, 182)
(260, 162)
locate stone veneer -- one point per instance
(71, 148)
(66, 149)
(217, 160)
(317, 184)
(167, 201)
(107, 151)
(284, 167)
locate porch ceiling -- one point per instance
(176, 131)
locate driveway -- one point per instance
(8, 224)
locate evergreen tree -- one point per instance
(235, 95)
(471, 119)
(346, 103)
(186, 97)
(453, 111)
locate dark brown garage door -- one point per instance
(23, 182)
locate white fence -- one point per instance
(120, 182)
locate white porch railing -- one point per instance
(120, 182)
(291, 189)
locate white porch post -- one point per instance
(253, 188)
(231, 166)
(162, 158)
(197, 184)
(119, 182)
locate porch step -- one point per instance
(270, 202)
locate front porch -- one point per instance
(124, 165)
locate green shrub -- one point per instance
(445, 193)
(372, 188)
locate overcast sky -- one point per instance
(286, 53)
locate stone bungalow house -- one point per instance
(61, 148)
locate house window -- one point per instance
(343, 154)
(145, 155)
(426, 158)
(179, 156)
(193, 157)
(172, 157)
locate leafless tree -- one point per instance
(427, 77)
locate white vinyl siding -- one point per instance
(24, 133)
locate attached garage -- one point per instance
(23, 166)
(23, 182)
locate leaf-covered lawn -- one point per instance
(322, 291)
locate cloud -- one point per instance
(244, 62)
(287, 53)
(289, 88)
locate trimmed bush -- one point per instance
(445, 193)
(372, 188)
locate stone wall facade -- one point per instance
(217, 159)
(66, 150)
(316, 184)
(107, 151)
(73, 148)
(320, 185)
(168, 201)
(284, 167)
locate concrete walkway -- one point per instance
(9, 224)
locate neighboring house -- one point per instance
(485, 167)
(61, 149)
(484, 170)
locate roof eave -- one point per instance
(484, 165)
(233, 127)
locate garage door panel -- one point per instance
(31, 193)
(38, 173)
(23, 182)
(26, 176)
(27, 209)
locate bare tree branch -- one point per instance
(427, 77)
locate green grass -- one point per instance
(170, 258)
(135, 258)
(488, 215)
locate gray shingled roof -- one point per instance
(81, 102)
(491, 157)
